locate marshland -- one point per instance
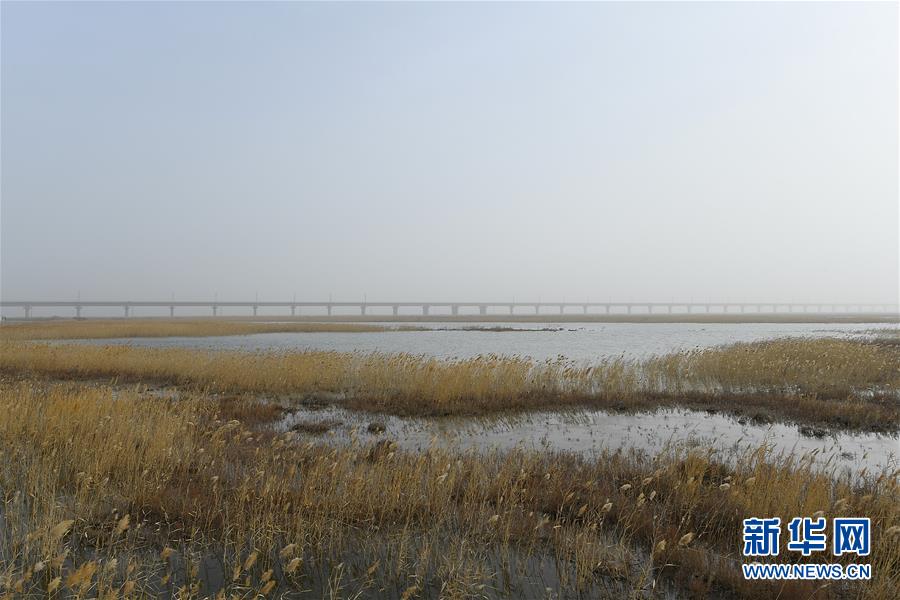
(190, 470)
(704, 194)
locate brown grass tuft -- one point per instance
(839, 383)
(317, 516)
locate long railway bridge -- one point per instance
(215, 307)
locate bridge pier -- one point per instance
(628, 308)
(293, 310)
(27, 312)
(362, 309)
(585, 307)
(215, 310)
(328, 308)
(396, 309)
(126, 311)
(425, 308)
(482, 309)
(78, 312)
(255, 309)
(454, 309)
(171, 311)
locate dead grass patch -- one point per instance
(839, 383)
(108, 492)
(133, 328)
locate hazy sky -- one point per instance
(450, 151)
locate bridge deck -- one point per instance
(652, 307)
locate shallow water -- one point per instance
(577, 341)
(589, 432)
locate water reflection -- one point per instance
(576, 341)
(591, 431)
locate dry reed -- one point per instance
(132, 328)
(109, 494)
(842, 383)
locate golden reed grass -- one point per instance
(843, 383)
(825, 366)
(132, 328)
(107, 493)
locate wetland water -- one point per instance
(591, 431)
(583, 342)
(579, 431)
